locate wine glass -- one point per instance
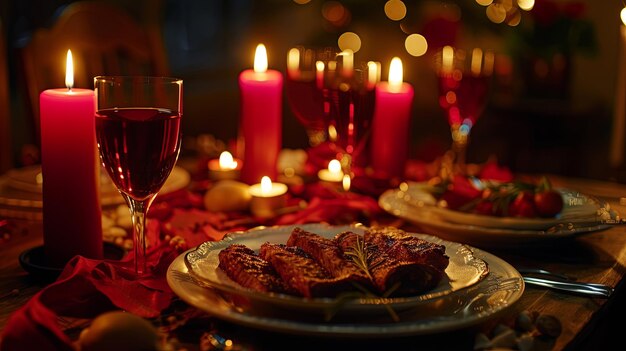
(464, 81)
(306, 70)
(350, 93)
(138, 133)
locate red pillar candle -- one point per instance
(71, 198)
(390, 126)
(261, 118)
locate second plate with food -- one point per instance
(463, 271)
(577, 208)
(394, 203)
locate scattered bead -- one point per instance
(533, 332)
(524, 322)
(500, 329)
(525, 342)
(505, 339)
(482, 342)
(548, 325)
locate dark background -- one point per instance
(528, 129)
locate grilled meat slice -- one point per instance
(404, 247)
(301, 272)
(387, 272)
(242, 265)
(328, 255)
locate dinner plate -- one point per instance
(496, 292)
(577, 208)
(20, 190)
(463, 271)
(393, 201)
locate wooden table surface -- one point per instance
(596, 257)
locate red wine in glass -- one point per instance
(352, 111)
(138, 147)
(464, 79)
(306, 103)
(464, 98)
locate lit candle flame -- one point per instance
(447, 59)
(293, 60)
(260, 59)
(347, 182)
(622, 15)
(348, 61)
(373, 72)
(266, 185)
(319, 74)
(226, 161)
(395, 75)
(69, 71)
(319, 66)
(334, 166)
(477, 61)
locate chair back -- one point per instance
(104, 40)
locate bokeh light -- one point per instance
(484, 2)
(301, 2)
(526, 5)
(506, 4)
(622, 15)
(514, 18)
(395, 10)
(416, 45)
(496, 13)
(335, 13)
(349, 41)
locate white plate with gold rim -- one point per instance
(451, 309)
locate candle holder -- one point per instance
(333, 174)
(224, 168)
(267, 198)
(36, 263)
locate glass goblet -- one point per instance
(464, 82)
(306, 67)
(351, 98)
(138, 133)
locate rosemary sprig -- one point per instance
(361, 255)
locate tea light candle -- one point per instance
(71, 196)
(226, 167)
(390, 125)
(267, 197)
(332, 174)
(261, 118)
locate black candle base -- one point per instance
(35, 263)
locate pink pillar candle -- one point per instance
(261, 119)
(71, 196)
(390, 125)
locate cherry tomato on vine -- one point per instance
(548, 203)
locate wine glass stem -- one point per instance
(138, 212)
(454, 160)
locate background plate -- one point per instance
(392, 201)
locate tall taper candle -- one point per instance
(390, 127)
(261, 118)
(71, 197)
